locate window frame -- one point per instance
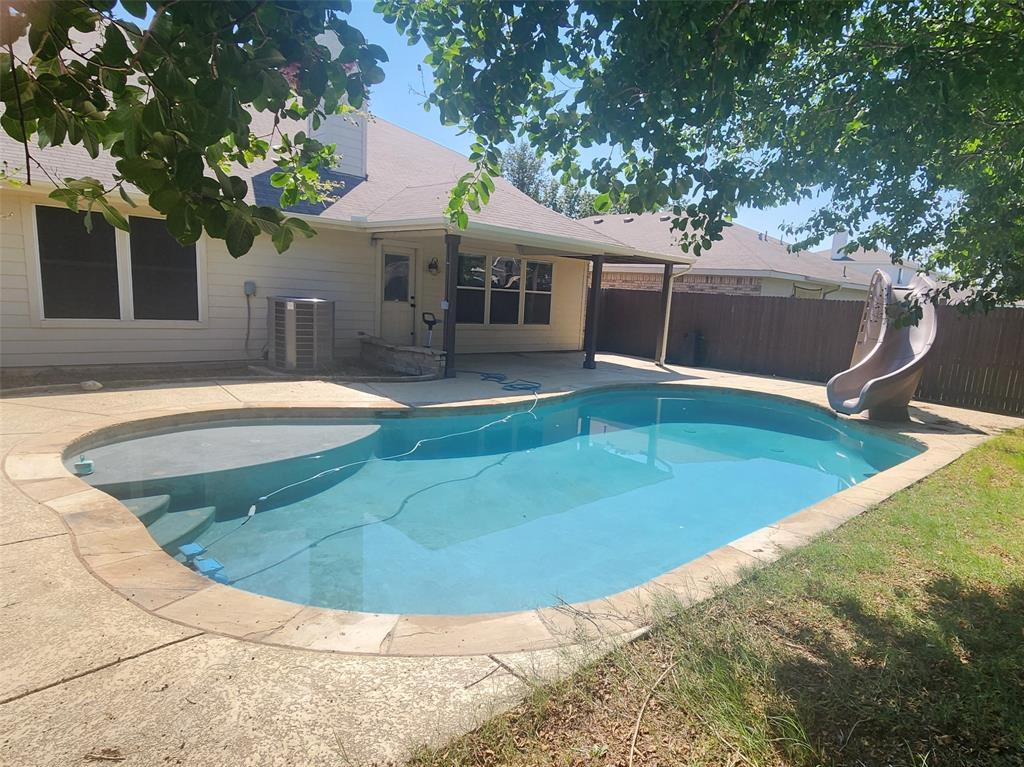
(489, 287)
(122, 246)
(550, 293)
(410, 257)
(484, 289)
(520, 323)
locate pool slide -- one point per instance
(887, 361)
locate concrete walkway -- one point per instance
(85, 674)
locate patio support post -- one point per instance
(451, 281)
(666, 313)
(593, 308)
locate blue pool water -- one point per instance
(575, 500)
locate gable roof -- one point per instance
(740, 251)
(407, 185)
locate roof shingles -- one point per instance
(740, 249)
(408, 178)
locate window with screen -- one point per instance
(396, 277)
(77, 268)
(164, 274)
(471, 291)
(537, 300)
(505, 288)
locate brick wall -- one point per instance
(690, 283)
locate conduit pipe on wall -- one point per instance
(668, 286)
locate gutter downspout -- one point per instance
(663, 346)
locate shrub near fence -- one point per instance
(977, 362)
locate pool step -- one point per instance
(177, 527)
(149, 508)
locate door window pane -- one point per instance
(469, 306)
(537, 310)
(471, 272)
(164, 276)
(538, 276)
(396, 278)
(78, 269)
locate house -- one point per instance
(743, 262)
(865, 262)
(515, 280)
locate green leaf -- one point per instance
(136, 8)
(188, 169)
(240, 233)
(115, 49)
(12, 126)
(112, 215)
(184, 224)
(126, 198)
(67, 196)
(282, 238)
(300, 225)
(602, 203)
(166, 199)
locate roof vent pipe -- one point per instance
(839, 240)
(628, 220)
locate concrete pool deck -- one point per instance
(83, 670)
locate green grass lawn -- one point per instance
(896, 640)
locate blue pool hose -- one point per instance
(517, 384)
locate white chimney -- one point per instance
(347, 131)
(839, 240)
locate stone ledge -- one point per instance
(409, 360)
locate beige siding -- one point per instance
(341, 266)
(567, 305)
(333, 265)
(771, 286)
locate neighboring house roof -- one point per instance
(740, 251)
(863, 257)
(407, 185)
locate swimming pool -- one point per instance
(504, 510)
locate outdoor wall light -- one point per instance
(433, 267)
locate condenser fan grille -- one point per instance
(301, 333)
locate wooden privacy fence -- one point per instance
(977, 362)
